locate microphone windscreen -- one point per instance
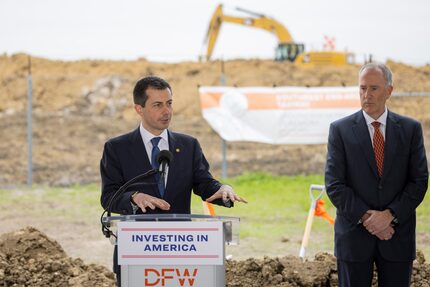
(164, 155)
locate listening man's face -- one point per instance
(157, 112)
(374, 92)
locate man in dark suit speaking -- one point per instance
(134, 153)
(376, 176)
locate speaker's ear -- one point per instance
(138, 109)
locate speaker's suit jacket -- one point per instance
(353, 185)
(125, 157)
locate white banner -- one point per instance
(170, 243)
(279, 115)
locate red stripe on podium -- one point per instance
(169, 229)
(170, 256)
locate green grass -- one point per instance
(277, 207)
(65, 203)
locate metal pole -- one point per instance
(30, 126)
(224, 165)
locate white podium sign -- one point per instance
(170, 243)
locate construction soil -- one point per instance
(78, 105)
(29, 258)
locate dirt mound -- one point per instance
(293, 272)
(29, 258)
(105, 87)
(79, 105)
(286, 272)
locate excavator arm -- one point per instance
(213, 31)
(257, 21)
(287, 49)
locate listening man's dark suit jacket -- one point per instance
(125, 157)
(353, 185)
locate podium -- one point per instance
(172, 250)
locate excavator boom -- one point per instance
(258, 21)
(287, 49)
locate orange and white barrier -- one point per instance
(279, 115)
(329, 43)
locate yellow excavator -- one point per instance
(287, 49)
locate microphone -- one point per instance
(164, 158)
(136, 180)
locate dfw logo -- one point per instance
(163, 276)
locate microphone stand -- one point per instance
(106, 226)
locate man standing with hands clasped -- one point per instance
(376, 176)
(134, 153)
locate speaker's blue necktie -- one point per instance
(155, 164)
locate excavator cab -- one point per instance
(288, 51)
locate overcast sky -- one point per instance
(174, 30)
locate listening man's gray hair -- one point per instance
(388, 75)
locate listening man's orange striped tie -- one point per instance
(378, 147)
